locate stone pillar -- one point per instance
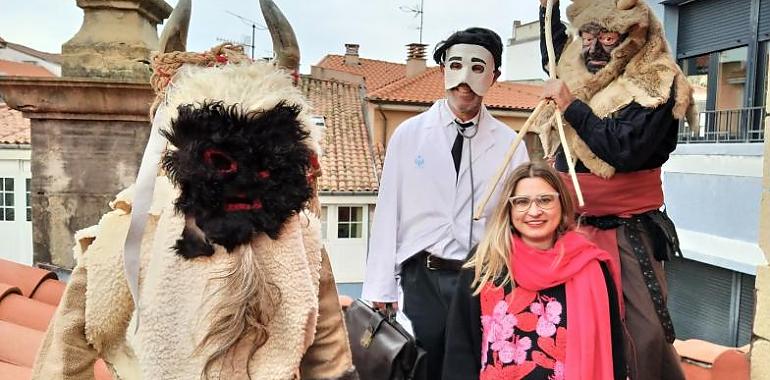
(87, 140)
(90, 126)
(115, 40)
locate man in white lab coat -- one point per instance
(437, 167)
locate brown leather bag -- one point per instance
(382, 349)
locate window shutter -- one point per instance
(712, 25)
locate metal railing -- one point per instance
(742, 125)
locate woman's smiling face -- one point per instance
(535, 212)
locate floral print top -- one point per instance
(524, 334)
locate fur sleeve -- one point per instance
(329, 356)
(65, 353)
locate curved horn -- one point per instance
(626, 4)
(284, 41)
(174, 35)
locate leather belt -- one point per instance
(433, 262)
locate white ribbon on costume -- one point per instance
(144, 188)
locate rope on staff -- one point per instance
(559, 123)
(525, 128)
(508, 156)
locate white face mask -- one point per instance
(470, 64)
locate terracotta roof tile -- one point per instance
(348, 163)
(26, 342)
(14, 128)
(428, 87)
(707, 361)
(49, 292)
(22, 69)
(23, 321)
(376, 73)
(13, 371)
(25, 277)
(23, 311)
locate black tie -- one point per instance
(457, 147)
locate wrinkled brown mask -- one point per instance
(598, 44)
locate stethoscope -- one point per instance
(463, 130)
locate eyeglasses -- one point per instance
(545, 201)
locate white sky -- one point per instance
(322, 26)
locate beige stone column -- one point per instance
(90, 126)
(115, 40)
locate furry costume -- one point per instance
(641, 70)
(228, 218)
(628, 113)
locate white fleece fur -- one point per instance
(176, 295)
(254, 86)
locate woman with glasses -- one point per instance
(536, 300)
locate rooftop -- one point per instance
(23, 69)
(28, 300)
(376, 73)
(428, 87)
(348, 162)
(14, 129)
(50, 57)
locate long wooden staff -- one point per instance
(559, 123)
(525, 128)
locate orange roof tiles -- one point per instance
(14, 128)
(376, 73)
(22, 69)
(28, 299)
(348, 162)
(428, 87)
(703, 360)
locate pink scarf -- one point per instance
(589, 336)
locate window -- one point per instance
(719, 81)
(7, 212)
(731, 86)
(29, 204)
(350, 222)
(324, 221)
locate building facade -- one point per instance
(15, 175)
(713, 181)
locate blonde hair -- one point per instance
(492, 258)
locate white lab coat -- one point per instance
(421, 205)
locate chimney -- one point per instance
(351, 55)
(415, 59)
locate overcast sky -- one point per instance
(381, 27)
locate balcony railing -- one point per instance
(743, 125)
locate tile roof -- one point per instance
(376, 73)
(428, 87)
(703, 360)
(348, 162)
(28, 300)
(23, 69)
(14, 128)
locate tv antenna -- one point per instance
(417, 11)
(254, 26)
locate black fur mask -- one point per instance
(239, 173)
